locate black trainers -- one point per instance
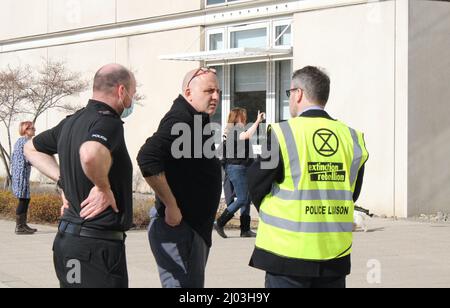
(220, 230)
(27, 227)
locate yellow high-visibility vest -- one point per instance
(309, 216)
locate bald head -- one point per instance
(189, 77)
(201, 89)
(110, 76)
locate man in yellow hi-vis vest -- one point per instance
(305, 188)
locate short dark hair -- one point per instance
(106, 80)
(314, 82)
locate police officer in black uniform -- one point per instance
(95, 175)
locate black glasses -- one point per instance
(201, 71)
(288, 92)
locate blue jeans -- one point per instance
(238, 177)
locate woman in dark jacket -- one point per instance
(238, 157)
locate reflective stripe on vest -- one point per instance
(341, 195)
(357, 157)
(306, 227)
(293, 154)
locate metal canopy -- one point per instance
(228, 54)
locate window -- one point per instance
(249, 88)
(249, 38)
(216, 41)
(269, 34)
(259, 83)
(283, 35)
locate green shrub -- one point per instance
(8, 204)
(45, 208)
(141, 210)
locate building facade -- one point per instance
(388, 62)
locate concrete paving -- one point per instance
(391, 254)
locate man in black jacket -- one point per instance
(187, 186)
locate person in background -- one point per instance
(237, 160)
(21, 170)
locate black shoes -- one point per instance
(248, 234)
(220, 230)
(245, 226)
(220, 223)
(21, 225)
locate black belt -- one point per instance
(78, 230)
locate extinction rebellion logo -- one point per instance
(326, 144)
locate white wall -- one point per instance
(35, 13)
(160, 80)
(72, 14)
(137, 9)
(356, 46)
(429, 100)
(23, 18)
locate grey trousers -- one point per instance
(181, 254)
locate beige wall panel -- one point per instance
(33, 12)
(73, 14)
(85, 58)
(401, 108)
(356, 46)
(32, 58)
(429, 92)
(137, 9)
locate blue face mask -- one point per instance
(128, 111)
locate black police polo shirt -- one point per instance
(97, 122)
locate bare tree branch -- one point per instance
(54, 82)
(22, 93)
(14, 83)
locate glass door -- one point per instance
(249, 88)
